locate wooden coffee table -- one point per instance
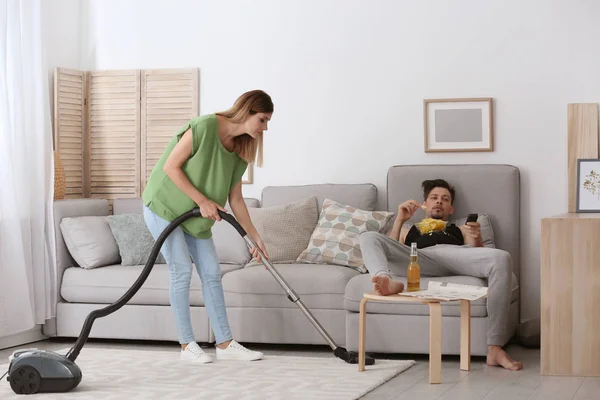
(435, 331)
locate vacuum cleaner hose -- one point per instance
(340, 352)
(102, 312)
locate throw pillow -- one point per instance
(90, 241)
(335, 240)
(285, 229)
(133, 238)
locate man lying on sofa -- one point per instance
(455, 250)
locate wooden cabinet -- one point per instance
(570, 295)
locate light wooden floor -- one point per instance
(482, 382)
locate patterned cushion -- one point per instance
(335, 239)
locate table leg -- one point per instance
(435, 343)
(362, 325)
(465, 335)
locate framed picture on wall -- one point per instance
(588, 185)
(458, 125)
(248, 177)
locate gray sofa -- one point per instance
(258, 308)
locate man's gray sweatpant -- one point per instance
(384, 255)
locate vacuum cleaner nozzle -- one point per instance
(351, 357)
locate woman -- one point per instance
(202, 166)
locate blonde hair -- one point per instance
(248, 104)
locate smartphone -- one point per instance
(472, 218)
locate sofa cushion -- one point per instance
(107, 284)
(363, 195)
(318, 286)
(362, 284)
(285, 229)
(90, 241)
(128, 206)
(335, 238)
(133, 238)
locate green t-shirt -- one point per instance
(211, 168)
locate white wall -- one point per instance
(61, 21)
(348, 79)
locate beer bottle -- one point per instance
(413, 274)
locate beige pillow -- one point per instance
(285, 229)
(90, 241)
(335, 239)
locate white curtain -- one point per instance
(27, 290)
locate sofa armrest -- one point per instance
(71, 208)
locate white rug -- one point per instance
(138, 374)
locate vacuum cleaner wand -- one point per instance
(350, 357)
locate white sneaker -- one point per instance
(236, 351)
(194, 353)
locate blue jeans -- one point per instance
(176, 250)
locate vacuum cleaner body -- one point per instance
(33, 370)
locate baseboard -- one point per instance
(33, 335)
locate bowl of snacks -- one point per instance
(428, 225)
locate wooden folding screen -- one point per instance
(112, 126)
(113, 134)
(69, 128)
(169, 97)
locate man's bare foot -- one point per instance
(497, 357)
(384, 286)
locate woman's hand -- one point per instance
(261, 246)
(209, 209)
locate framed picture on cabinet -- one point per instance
(588, 185)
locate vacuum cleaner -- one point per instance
(38, 371)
